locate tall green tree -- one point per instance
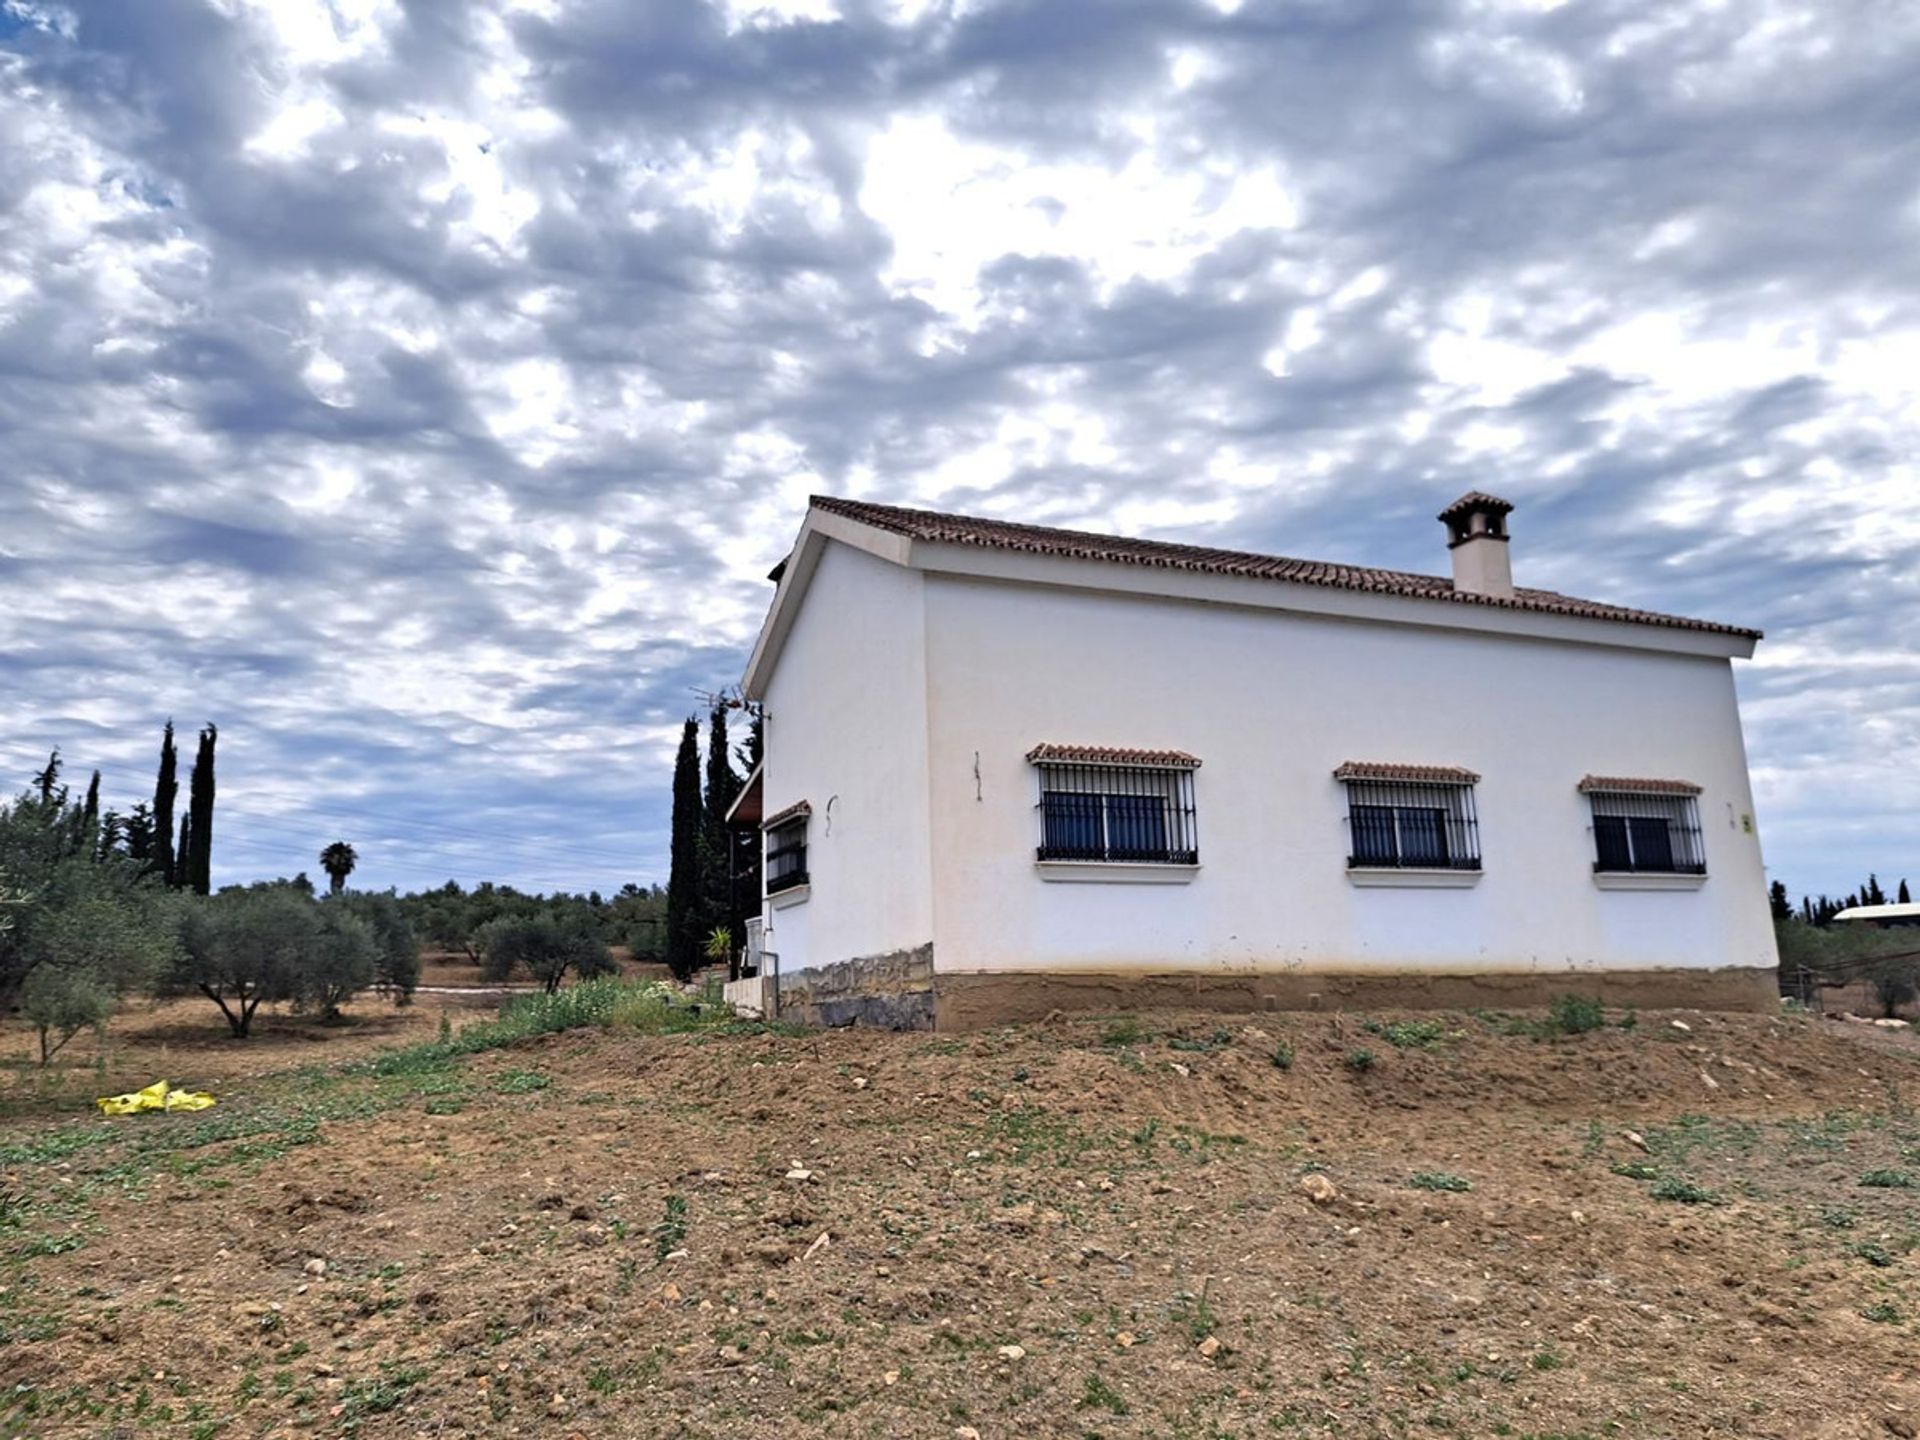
(338, 860)
(686, 924)
(199, 858)
(90, 817)
(47, 781)
(1777, 896)
(166, 789)
(81, 928)
(141, 839)
(719, 867)
(1906, 896)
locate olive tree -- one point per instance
(543, 946)
(396, 966)
(266, 944)
(79, 927)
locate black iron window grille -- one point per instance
(786, 857)
(1411, 825)
(1137, 813)
(1636, 833)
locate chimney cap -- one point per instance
(1476, 502)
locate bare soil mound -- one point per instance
(1170, 1226)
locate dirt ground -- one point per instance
(1097, 1228)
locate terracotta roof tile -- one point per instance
(1618, 785)
(1406, 774)
(794, 811)
(932, 526)
(1112, 755)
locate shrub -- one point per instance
(1683, 1192)
(1887, 1180)
(1126, 1030)
(1576, 1014)
(1283, 1056)
(1440, 1180)
(1359, 1061)
(1411, 1034)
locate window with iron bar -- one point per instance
(1636, 833)
(786, 856)
(1130, 813)
(1408, 825)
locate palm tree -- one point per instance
(338, 861)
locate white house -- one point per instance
(1011, 769)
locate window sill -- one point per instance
(792, 895)
(1390, 877)
(1115, 872)
(1646, 880)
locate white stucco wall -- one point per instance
(1272, 702)
(846, 731)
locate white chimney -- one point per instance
(1477, 535)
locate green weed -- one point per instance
(1576, 1014)
(1683, 1192)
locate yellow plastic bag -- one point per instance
(155, 1097)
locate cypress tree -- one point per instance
(86, 839)
(199, 859)
(1906, 897)
(48, 781)
(1782, 906)
(165, 789)
(723, 788)
(182, 850)
(684, 936)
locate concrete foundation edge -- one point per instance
(975, 1001)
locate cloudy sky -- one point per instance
(422, 389)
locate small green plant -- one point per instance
(1548, 1360)
(1440, 1180)
(1837, 1218)
(1359, 1061)
(1884, 1312)
(520, 1082)
(1126, 1030)
(1874, 1254)
(1411, 1034)
(1887, 1180)
(1636, 1170)
(1283, 1056)
(1683, 1192)
(1099, 1395)
(1195, 1312)
(1576, 1014)
(671, 1233)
